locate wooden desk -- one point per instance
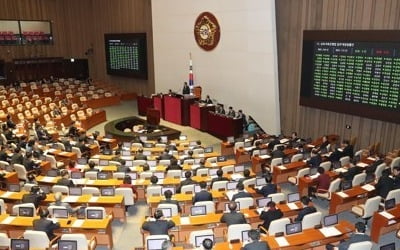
(281, 173)
(112, 142)
(96, 118)
(11, 177)
(380, 224)
(356, 195)
(227, 148)
(198, 115)
(306, 182)
(222, 126)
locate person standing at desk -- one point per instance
(186, 89)
(158, 225)
(45, 225)
(255, 243)
(233, 217)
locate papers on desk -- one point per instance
(230, 193)
(314, 176)
(282, 167)
(8, 220)
(284, 140)
(236, 176)
(93, 199)
(387, 215)
(71, 199)
(78, 181)
(185, 220)
(48, 179)
(311, 146)
(342, 194)
(292, 206)
(362, 165)
(330, 231)
(7, 194)
(392, 222)
(200, 155)
(368, 187)
(249, 148)
(264, 156)
(340, 170)
(78, 223)
(214, 164)
(282, 242)
(259, 210)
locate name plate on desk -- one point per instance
(8, 220)
(282, 242)
(48, 179)
(343, 195)
(386, 215)
(78, 223)
(185, 220)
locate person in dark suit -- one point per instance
(255, 243)
(246, 175)
(91, 168)
(186, 89)
(35, 196)
(231, 112)
(348, 149)
(187, 181)
(123, 168)
(351, 172)
(220, 109)
(323, 148)
(396, 177)
(10, 123)
(188, 157)
(385, 184)
(208, 100)
(168, 200)
(274, 141)
(64, 180)
(315, 159)
(269, 214)
(85, 150)
(173, 165)
(241, 193)
(165, 155)
(358, 236)
(3, 154)
(42, 133)
(17, 157)
(278, 153)
(201, 166)
(45, 225)
(233, 217)
(307, 209)
(203, 195)
(219, 177)
(158, 225)
(139, 155)
(29, 164)
(269, 188)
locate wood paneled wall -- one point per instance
(79, 25)
(294, 16)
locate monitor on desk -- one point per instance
(200, 238)
(60, 213)
(369, 178)
(263, 202)
(148, 145)
(160, 175)
(330, 220)
(391, 246)
(260, 181)
(245, 236)
(166, 211)
(104, 175)
(230, 139)
(238, 168)
(227, 207)
(94, 214)
(293, 197)
(12, 187)
(198, 210)
(152, 164)
(155, 244)
(67, 245)
(127, 144)
(221, 158)
(82, 161)
(75, 191)
(147, 153)
(45, 189)
(208, 150)
(389, 204)
(347, 185)
(231, 185)
(103, 162)
(25, 211)
(293, 228)
(126, 153)
(76, 175)
(164, 139)
(133, 175)
(172, 189)
(19, 244)
(52, 173)
(107, 191)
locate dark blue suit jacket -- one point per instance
(304, 212)
(203, 195)
(354, 238)
(267, 190)
(256, 245)
(241, 195)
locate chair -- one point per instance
(15, 209)
(4, 165)
(297, 157)
(97, 208)
(235, 231)
(21, 171)
(156, 236)
(394, 194)
(344, 161)
(198, 151)
(364, 245)
(128, 195)
(365, 211)
(245, 202)
(277, 197)
(138, 163)
(202, 172)
(212, 160)
(118, 175)
(146, 175)
(39, 239)
(114, 163)
(83, 242)
(4, 241)
(275, 162)
(278, 226)
(278, 145)
(238, 145)
(164, 162)
(228, 169)
(27, 186)
(3, 208)
(174, 173)
(395, 162)
(91, 175)
(194, 234)
(249, 182)
(311, 220)
(219, 185)
(379, 169)
(300, 173)
(60, 188)
(153, 191)
(326, 165)
(91, 190)
(187, 189)
(359, 179)
(173, 207)
(210, 206)
(333, 187)
(54, 164)
(77, 151)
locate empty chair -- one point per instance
(138, 162)
(15, 209)
(3, 208)
(219, 185)
(21, 171)
(296, 157)
(175, 173)
(212, 160)
(278, 226)
(235, 231)
(82, 242)
(127, 193)
(118, 175)
(228, 169)
(238, 145)
(146, 175)
(379, 169)
(39, 239)
(245, 202)
(395, 162)
(4, 241)
(344, 161)
(326, 165)
(153, 191)
(394, 194)
(54, 164)
(173, 207)
(300, 173)
(77, 151)
(91, 175)
(277, 197)
(364, 245)
(365, 211)
(311, 220)
(164, 162)
(210, 206)
(60, 188)
(202, 172)
(275, 162)
(333, 187)
(249, 182)
(194, 234)
(187, 189)
(359, 179)
(277, 146)
(91, 190)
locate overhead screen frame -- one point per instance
(363, 110)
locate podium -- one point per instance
(153, 117)
(143, 103)
(222, 126)
(197, 92)
(158, 103)
(177, 108)
(198, 116)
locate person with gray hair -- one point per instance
(167, 245)
(60, 203)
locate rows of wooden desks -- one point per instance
(385, 222)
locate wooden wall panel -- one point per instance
(294, 16)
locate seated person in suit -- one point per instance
(203, 195)
(3, 154)
(59, 202)
(187, 181)
(255, 243)
(64, 180)
(45, 225)
(274, 141)
(269, 188)
(85, 150)
(139, 155)
(10, 123)
(158, 225)
(220, 109)
(358, 236)
(173, 165)
(208, 100)
(154, 180)
(231, 112)
(307, 209)
(396, 177)
(269, 214)
(17, 157)
(323, 148)
(165, 155)
(385, 184)
(219, 177)
(278, 153)
(246, 176)
(122, 167)
(35, 196)
(241, 192)
(91, 168)
(168, 200)
(233, 217)
(315, 159)
(323, 181)
(352, 171)
(188, 157)
(348, 149)
(29, 164)
(127, 183)
(257, 147)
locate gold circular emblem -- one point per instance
(207, 31)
